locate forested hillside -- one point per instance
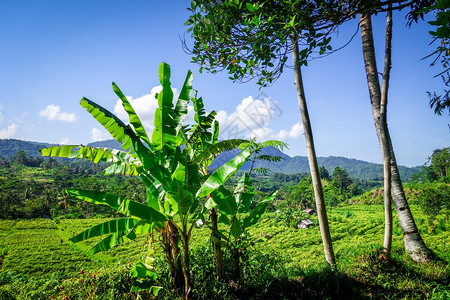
(288, 165)
(298, 164)
(8, 147)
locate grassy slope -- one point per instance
(40, 247)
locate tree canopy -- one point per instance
(252, 39)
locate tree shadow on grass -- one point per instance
(316, 285)
(371, 278)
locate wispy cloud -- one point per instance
(9, 132)
(99, 135)
(53, 112)
(65, 141)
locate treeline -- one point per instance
(429, 188)
(33, 187)
(434, 180)
(436, 169)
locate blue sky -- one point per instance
(55, 52)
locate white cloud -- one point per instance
(52, 112)
(251, 119)
(249, 115)
(190, 115)
(9, 132)
(65, 141)
(296, 131)
(282, 135)
(99, 135)
(262, 134)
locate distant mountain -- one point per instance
(8, 147)
(106, 144)
(297, 164)
(355, 168)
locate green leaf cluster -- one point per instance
(252, 38)
(172, 164)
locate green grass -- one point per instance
(36, 254)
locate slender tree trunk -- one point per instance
(387, 244)
(414, 244)
(218, 253)
(311, 152)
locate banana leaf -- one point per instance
(215, 149)
(96, 197)
(141, 211)
(221, 175)
(165, 132)
(134, 119)
(225, 200)
(90, 153)
(181, 108)
(244, 193)
(119, 131)
(258, 211)
(112, 226)
(110, 241)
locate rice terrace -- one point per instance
(293, 165)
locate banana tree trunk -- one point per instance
(312, 159)
(414, 243)
(186, 265)
(169, 239)
(218, 253)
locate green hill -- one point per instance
(8, 147)
(299, 164)
(289, 165)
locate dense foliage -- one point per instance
(437, 168)
(37, 192)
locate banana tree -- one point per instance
(221, 241)
(237, 214)
(171, 164)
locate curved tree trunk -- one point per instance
(311, 152)
(387, 244)
(414, 244)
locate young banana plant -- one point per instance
(236, 210)
(172, 165)
(237, 214)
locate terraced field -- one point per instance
(40, 248)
